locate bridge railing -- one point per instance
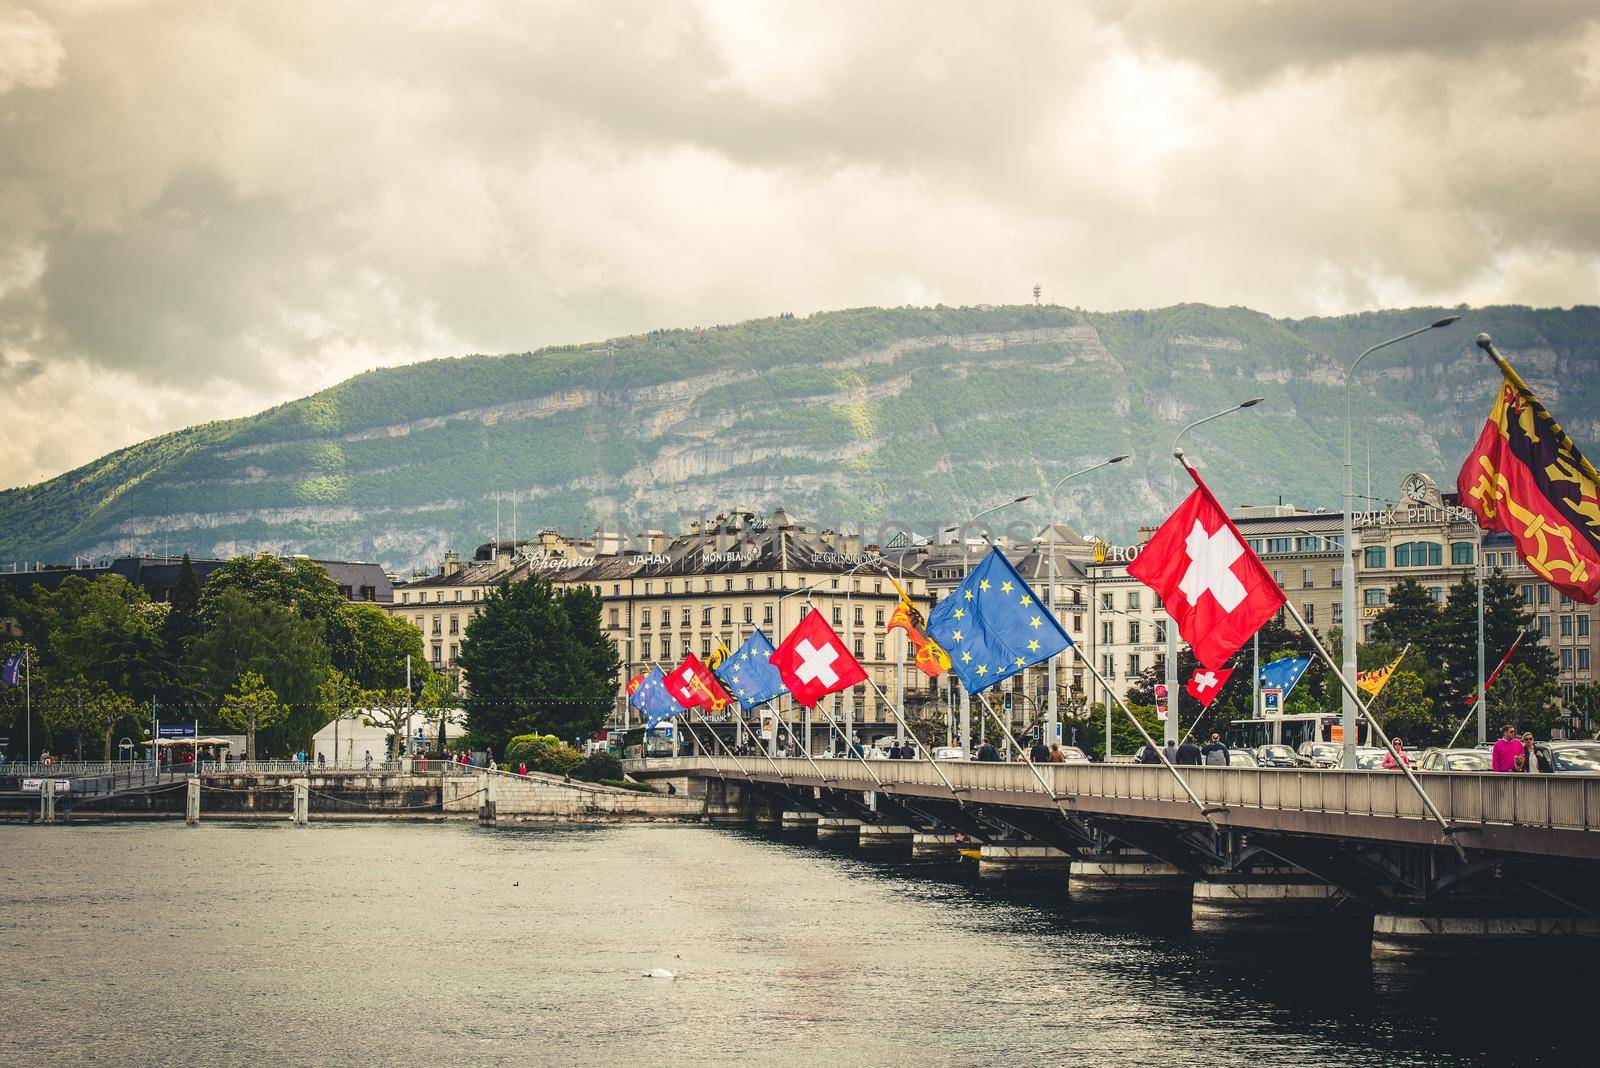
(1559, 802)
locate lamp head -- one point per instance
(1446, 321)
(1024, 497)
(1119, 458)
(1252, 402)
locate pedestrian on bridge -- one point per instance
(1147, 755)
(1189, 754)
(1215, 751)
(1056, 755)
(1039, 753)
(988, 753)
(1506, 751)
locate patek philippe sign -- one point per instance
(1414, 515)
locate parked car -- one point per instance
(948, 752)
(1574, 757)
(1455, 760)
(1320, 754)
(1370, 757)
(1242, 758)
(1275, 756)
(1074, 755)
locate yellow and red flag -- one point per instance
(1526, 477)
(931, 659)
(1372, 681)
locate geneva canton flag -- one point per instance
(747, 674)
(993, 626)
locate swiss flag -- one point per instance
(1213, 586)
(813, 662)
(1206, 684)
(693, 685)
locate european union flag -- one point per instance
(748, 674)
(993, 625)
(1283, 674)
(652, 699)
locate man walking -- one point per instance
(1506, 751)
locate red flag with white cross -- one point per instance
(693, 685)
(1206, 684)
(813, 661)
(1214, 588)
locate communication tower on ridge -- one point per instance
(1036, 292)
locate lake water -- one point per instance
(431, 944)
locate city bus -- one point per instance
(1290, 730)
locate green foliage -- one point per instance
(83, 706)
(378, 644)
(538, 662)
(102, 631)
(1405, 710)
(252, 705)
(390, 709)
(266, 639)
(542, 752)
(598, 766)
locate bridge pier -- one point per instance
(191, 809)
(1477, 937)
(885, 836)
(797, 820)
(1002, 860)
(834, 829)
(764, 816)
(1275, 897)
(487, 798)
(725, 801)
(1126, 872)
(47, 800)
(935, 845)
(302, 801)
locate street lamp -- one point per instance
(966, 566)
(1170, 730)
(1050, 599)
(1348, 707)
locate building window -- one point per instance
(438, 654)
(770, 582)
(858, 616)
(455, 624)
(1077, 624)
(878, 617)
(1133, 632)
(877, 650)
(666, 647)
(859, 653)
(1133, 600)
(1583, 660)
(1338, 613)
(1375, 556)
(749, 613)
(1135, 664)
(1544, 594)
(727, 614)
(1375, 598)
(613, 616)
(1277, 576)
(1309, 610)
(1105, 602)
(750, 583)
(1306, 581)
(705, 616)
(1461, 552)
(616, 589)
(405, 598)
(1566, 660)
(1106, 667)
(1107, 637)
(1418, 554)
(1566, 626)
(438, 625)
(684, 616)
(838, 616)
(1583, 626)
(644, 616)
(458, 595)
(1527, 594)
(1544, 626)
(1161, 631)
(766, 615)
(1280, 545)
(1336, 578)
(455, 651)
(705, 648)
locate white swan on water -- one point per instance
(662, 973)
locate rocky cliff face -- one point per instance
(873, 419)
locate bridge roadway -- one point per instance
(1531, 843)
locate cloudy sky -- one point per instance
(209, 208)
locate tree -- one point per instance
(379, 645)
(271, 641)
(252, 705)
(182, 624)
(1410, 615)
(390, 709)
(337, 698)
(300, 586)
(537, 662)
(103, 631)
(1504, 617)
(1525, 699)
(1404, 710)
(82, 705)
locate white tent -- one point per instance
(356, 738)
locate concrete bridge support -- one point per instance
(302, 801)
(1115, 873)
(726, 802)
(801, 821)
(487, 799)
(834, 829)
(1011, 860)
(1228, 899)
(47, 801)
(946, 846)
(764, 816)
(885, 836)
(191, 808)
(1478, 937)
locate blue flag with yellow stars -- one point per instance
(652, 699)
(749, 676)
(993, 625)
(1283, 674)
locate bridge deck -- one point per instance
(1549, 815)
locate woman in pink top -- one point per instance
(1506, 750)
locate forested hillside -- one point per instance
(858, 419)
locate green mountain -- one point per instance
(868, 419)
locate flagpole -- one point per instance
(849, 747)
(1400, 761)
(1483, 691)
(937, 770)
(805, 751)
(27, 699)
(1006, 730)
(1205, 812)
(712, 753)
